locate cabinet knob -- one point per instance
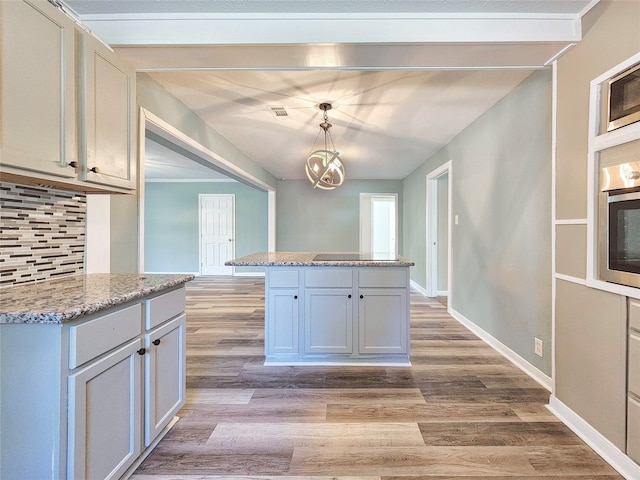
(361, 296)
(94, 170)
(295, 297)
(349, 296)
(74, 164)
(156, 342)
(142, 351)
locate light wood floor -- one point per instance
(461, 410)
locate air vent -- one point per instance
(279, 111)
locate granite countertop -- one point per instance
(65, 299)
(307, 259)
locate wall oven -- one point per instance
(619, 219)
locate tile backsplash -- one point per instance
(42, 233)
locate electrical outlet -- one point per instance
(538, 347)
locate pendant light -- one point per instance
(324, 167)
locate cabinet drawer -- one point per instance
(380, 278)
(163, 307)
(328, 278)
(282, 278)
(634, 364)
(633, 430)
(634, 314)
(91, 339)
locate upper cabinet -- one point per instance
(68, 104)
(38, 90)
(108, 116)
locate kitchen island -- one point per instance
(334, 308)
(93, 373)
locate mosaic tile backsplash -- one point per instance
(42, 233)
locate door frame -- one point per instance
(233, 226)
(366, 232)
(432, 230)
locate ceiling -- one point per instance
(404, 77)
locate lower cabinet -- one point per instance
(105, 410)
(380, 325)
(165, 376)
(633, 383)
(281, 336)
(102, 391)
(337, 315)
(328, 320)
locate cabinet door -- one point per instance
(109, 116)
(328, 320)
(104, 423)
(383, 320)
(633, 429)
(282, 321)
(165, 376)
(38, 89)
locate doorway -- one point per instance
(217, 233)
(379, 222)
(439, 232)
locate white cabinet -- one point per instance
(328, 320)
(281, 336)
(105, 411)
(38, 90)
(381, 325)
(633, 382)
(108, 85)
(68, 104)
(84, 400)
(165, 376)
(337, 315)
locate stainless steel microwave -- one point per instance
(624, 98)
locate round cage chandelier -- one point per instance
(324, 167)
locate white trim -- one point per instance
(596, 143)
(430, 207)
(418, 288)
(553, 59)
(191, 180)
(505, 351)
(442, 293)
(603, 447)
(366, 219)
(554, 220)
(569, 278)
(197, 274)
(248, 274)
(271, 220)
(568, 221)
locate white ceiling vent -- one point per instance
(279, 111)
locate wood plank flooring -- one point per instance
(460, 411)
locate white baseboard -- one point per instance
(443, 293)
(505, 351)
(603, 447)
(248, 274)
(419, 288)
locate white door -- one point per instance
(216, 234)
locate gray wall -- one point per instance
(590, 324)
(311, 219)
(171, 223)
(501, 249)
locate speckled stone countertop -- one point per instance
(306, 259)
(65, 299)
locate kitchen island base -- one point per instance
(334, 308)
